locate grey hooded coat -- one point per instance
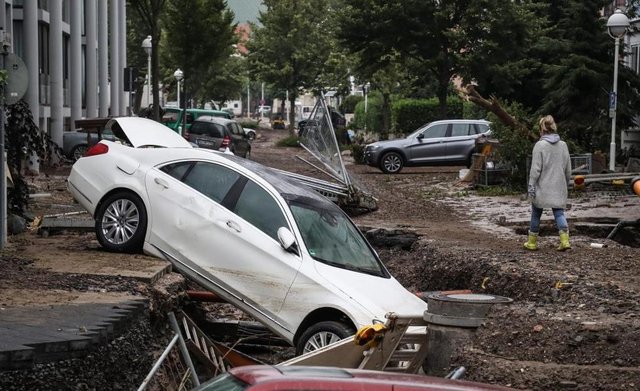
(550, 172)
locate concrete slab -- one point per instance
(36, 334)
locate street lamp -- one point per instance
(146, 45)
(366, 91)
(617, 25)
(179, 75)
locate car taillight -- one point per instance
(635, 185)
(98, 149)
(225, 142)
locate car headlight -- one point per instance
(372, 147)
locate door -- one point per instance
(193, 219)
(238, 139)
(429, 146)
(461, 142)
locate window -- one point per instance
(207, 129)
(482, 128)
(212, 180)
(436, 131)
(260, 209)
(634, 59)
(177, 170)
(460, 130)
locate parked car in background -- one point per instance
(75, 143)
(280, 378)
(250, 133)
(172, 117)
(446, 142)
(219, 134)
(259, 239)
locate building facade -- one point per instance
(75, 55)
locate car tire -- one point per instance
(322, 334)
(121, 223)
(78, 151)
(251, 135)
(391, 163)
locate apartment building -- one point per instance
(75, 55)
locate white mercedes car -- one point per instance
(269, 245)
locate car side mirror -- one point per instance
(420, 136)
(287, 240)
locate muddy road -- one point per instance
(574, 322)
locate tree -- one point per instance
(150, 12)
(444, 38)
(291, 47)
(200, 42)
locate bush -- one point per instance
(514, 146)
(348, 105)
(357, 152)
(373, 117)
(408, 115)
(291, 141)
(248, 123)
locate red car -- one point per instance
(281, 378)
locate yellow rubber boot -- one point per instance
(532, 241)
(564, 241)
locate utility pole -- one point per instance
(3, 174)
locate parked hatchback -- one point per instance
(447, 142)
(261, 240)
(219, 133)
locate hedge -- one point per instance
(408, 115)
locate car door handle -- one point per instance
(234, 226)
(161, 182)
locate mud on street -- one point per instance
(574, 322)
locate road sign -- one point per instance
(261, 102)
(612, 100)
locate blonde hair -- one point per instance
(547, 124)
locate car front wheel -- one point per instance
(322, 334)
(251, 135)
(121, 223)
(391, 163)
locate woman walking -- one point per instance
(548, 178)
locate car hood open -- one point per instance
(145, 133)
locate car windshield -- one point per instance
(332, 238)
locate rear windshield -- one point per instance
(207, 129)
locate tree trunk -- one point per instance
(386, 116)
(292, 114)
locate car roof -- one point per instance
(256, 374)
(214, 119)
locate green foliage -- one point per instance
(199, 37)
(357, 152)
(372, 119)
(514, 146)
(349, 103)
(497, 191)
(22, 139)
(291, 141)
(409, 114)
(249, 123)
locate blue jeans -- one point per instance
(558, 214)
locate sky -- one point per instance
(245, 10)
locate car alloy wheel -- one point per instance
(322, 334)
(121, 223)
(79, 151)
(391, 163)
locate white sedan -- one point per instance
(267, 244)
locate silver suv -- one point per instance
(439, 143)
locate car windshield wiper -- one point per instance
(348, 267)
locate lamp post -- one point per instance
(178, 74)
(146, 45)
(617, 25)
(366, 91)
